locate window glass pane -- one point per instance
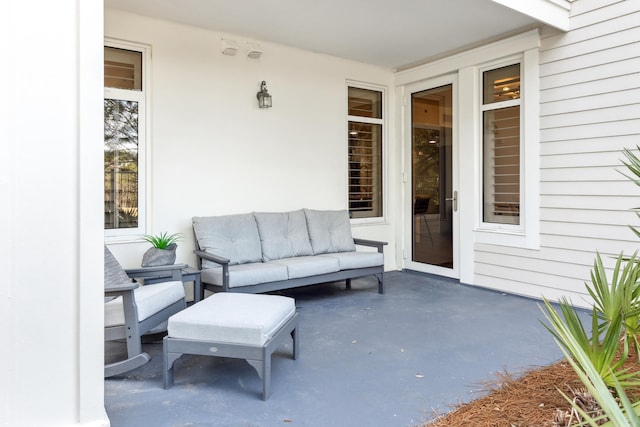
(122, 69)
(120, 164)
(501, 84)
(365, 169)
(501, 150)
(365, 103)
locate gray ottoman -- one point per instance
(243, 326)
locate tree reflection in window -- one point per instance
(120, 164)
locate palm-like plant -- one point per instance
(619, 298)
(616, 312)
(633, 165)
(615, 415)
(600, 351)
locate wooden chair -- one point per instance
(132, 310)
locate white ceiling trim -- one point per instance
(551, 12)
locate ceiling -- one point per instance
(393, 34)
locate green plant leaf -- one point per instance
(162, 240)
(570, 334)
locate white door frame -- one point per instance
(409, 89)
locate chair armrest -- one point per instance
(372, 243)
(157, 271)
(211, 257)
(116, 290)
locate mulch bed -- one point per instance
(528, 400)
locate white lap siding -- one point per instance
(589, 112)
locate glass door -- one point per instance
(432, 189)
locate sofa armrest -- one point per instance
(211, 257)
(372, 243)
(224, 263)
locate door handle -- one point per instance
(454, 199)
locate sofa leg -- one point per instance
(380, 278)
(348, 283)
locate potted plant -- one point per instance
(163, 250)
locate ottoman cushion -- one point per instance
(249, 319)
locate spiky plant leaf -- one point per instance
(592, 378)
(162, 240)
(618, 297)
(601, 354)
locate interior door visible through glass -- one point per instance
(431, 183)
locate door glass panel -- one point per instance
(431, 158)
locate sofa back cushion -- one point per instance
(329, 231)
(283, 234)
(231, 236)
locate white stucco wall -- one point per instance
(214, 152)
(51, 293)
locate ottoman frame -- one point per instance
(257, 356)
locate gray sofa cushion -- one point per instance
(283, 234)
(305, 266)
(329, 231)
(350, 260)
(231, 236)
(246, 274)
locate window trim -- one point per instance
(384, 134)
(527, 233)
(143, 98)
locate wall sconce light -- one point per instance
(264, 99)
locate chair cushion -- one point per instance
(233, 318)
(113, 272)
(283, 235)
(306, 266)
(234, 237)
(150, 299)
(349, 260)
(246, 274)
(329, 231)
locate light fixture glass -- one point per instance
(264, 99)
(254, 51)
(228, 47)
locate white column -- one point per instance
(50, 218)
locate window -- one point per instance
(124, 141)
(365, 152)
(501, 145)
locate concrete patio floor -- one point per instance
(365, 360)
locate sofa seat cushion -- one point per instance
(150, 299)
(246, 274)
(350, 260)
(283, 234)
(329, 231)
(234, 237)
(233, 318)
(306, 266)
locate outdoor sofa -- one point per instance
(267, 251)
